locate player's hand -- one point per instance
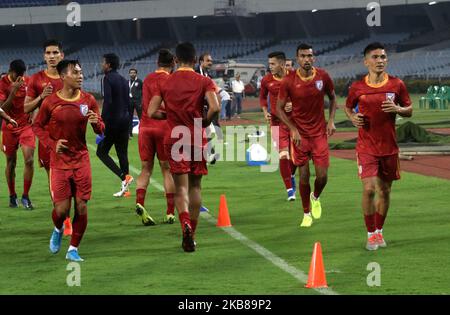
(331, 128)
(48, 90)
(13, 123)
(296, 137)
(60, 147)
(288, 107)
(267, 117)
(92, 117)
(17, 84)
(358, 120)
(389, 107)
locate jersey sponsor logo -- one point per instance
(390, 97)
(319, 85)
(84, 109)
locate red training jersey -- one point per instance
(40, 80)
(307, 97)
(270, 86)
(66, 119)
(16, 112)
(183, 94)
(152, 84)
(378, 136)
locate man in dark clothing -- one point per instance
(135, 85)
(116, 116)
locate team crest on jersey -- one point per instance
(319, 85)
(84, 109)
(390, 97)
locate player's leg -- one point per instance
(103, 149)
(383, 190)
(305, 192)
(28, 172)
(321, 159)
(169, 188)
(121, 146)
(195, 199)
(79, 227)
(10, 173)
(281, 139)
(368, 205)
(141, 191)
(182, 204)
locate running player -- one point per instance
(379, 97)
(307, 87)
(61, 127)
(12, 97)
(152, 133)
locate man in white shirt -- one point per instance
(238, 87)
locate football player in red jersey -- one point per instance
(378, 97)
(270, 86)
(183, 94)
(12, 96)
(61, 127)
(43, 84)
(152, 133)
(306, 88)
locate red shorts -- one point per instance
(281, 135)
(385, 167)
(151, 142)
(315, 148)
(12, 138)
(44, 156)
(182, 162)
(67, 183)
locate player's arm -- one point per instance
(263, 92)
(331, 128)
(357, 119)
(153, 108)
(281, 107)
(213, 108)
(8, 103)
(6, 117)
(32, 102)
(95, 119)
(39, 128)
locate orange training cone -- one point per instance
(316, 277)
(224, 218)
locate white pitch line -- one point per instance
(259, 249)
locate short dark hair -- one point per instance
(278, 55)
(303, 46)
(63, 65)
(133, 69)
(290, 59)
(202, 56)
(165, 58)
(52, 42)
(18, 66)
(185, 52)
(372, 46)
(113, 60)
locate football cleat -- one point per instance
(55, 241)
(73, 255)
(307, 221)
(147, 220)
(188, 243)
(26, 203)
(291, 194)
(372, 242)
(316, 207)
(169, 219)
(13, 202)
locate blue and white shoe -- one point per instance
(293, 184)
(203, 209)
(73, 255)
(55, 241)
(291, 194)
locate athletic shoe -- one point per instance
(291, 194)
(26, 203)
(169, 219)
(124, 189)
(55, 241)
(13, 202)
(213, 158)
(73, 255)
(203, 209)
(145, 217)
(316, 207)
(188, 243)
(67, 227)
(293, 184)
(372, 242)
(307, 221)
(380, 240)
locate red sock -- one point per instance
(58, 220)
(12, 187)
(140, 196)
(194, 225)
(170, 203)
(26, 187)
(379, 221)
(293, 167)
(370, 222)
(305, 191)
(285, 171)
(79, 225)
(184, 218)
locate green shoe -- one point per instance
(169, 219)
(316, 207)
(145, 217)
